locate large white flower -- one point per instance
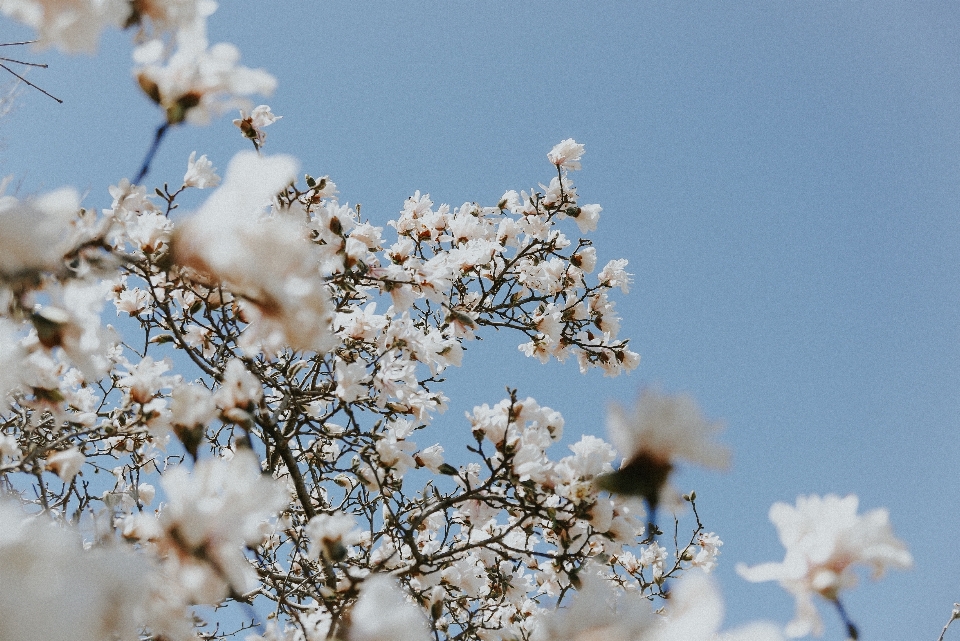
(267, 260)
(383, 613)
(53, 589)
(660, 430)
(824, 538)
(198, 80)
(211, 514)
(36, 231)
(600, 611)
(566, 154)
(73, 26)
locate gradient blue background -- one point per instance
(783, 177)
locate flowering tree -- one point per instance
(248, 440)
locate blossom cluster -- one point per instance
(252, 433)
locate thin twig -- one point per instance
(953, 617)
(44, 92)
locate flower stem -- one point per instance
(161, 130)
(852, 632)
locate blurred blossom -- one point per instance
(599, 610)
(66, 463)
(51, 589)
(72, 26)
(266, 259)
(384, 613)
(170, 15)
(211, 514)
(331, 535)
(661, 430)
(36, 232)
(198, 81)
(825, 538)
(694, 612)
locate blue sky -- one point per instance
(782, 176)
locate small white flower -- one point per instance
(252, 125)
(566, 154)
(200, 173)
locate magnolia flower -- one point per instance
(197, 81)
(695, 612)
(73, 27)
(72, 323)
(599, 611)
(170, 15)
(661, 430)
(200, 173)
(211, 514)
(266, 260)
(35, 231)
(383, 613)
(66, 463)
(331, 534)
(824, 538)
(566, 154)
(12, 354)
(51, 589)
(252, 125)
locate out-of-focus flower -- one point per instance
(35, 232)
(66, 463)
(12, 354)
(661, 430)
(825, 538)
(197, 81)
(383, 613)
(566, 154)
(200, 173)
(74, 26)
(72, 323)
(51, 589)
(598, 611)
(211, 514)
(252, 125)
(170, 15)
(331, 535)
(266, 260)
(695, 612)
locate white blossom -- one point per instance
(51, 589)
(73, 26)
(252, 124)
(36, 231)
(566, 154)
(210, 514)
(266, 260)
(383, 613)
(200, 172)
(825, 538)
(66, 463)
(197, 81)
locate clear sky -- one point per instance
(783, 177)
